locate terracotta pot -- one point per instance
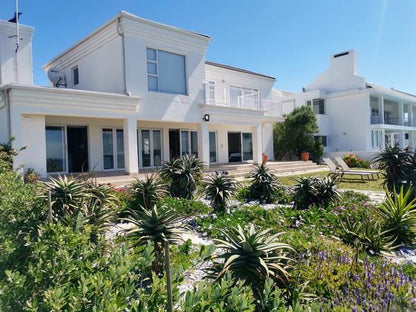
(265, 158)
(305, 156)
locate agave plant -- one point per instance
(158, 226)
(148, 191)
(264, 184)
(219, 189)
(326, 190)
(182, 175)
(398, 213)
(67, 194)
(253, 256)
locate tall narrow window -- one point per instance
(165, 71)
(55, 149)
(75, 76)
(212, 147)
(194, 143)
(108, 149)
(185, 142)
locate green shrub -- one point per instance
(182, 175)
(226, 294)
(147, 192)
(8, 152)
(263, 185)
(184, 206)
(219, 189)
(354, 161)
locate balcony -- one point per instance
(219, 95)
(388, 120)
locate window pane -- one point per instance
(321, 106)
(151, 68)
(185, 142)
(194, 143)
(55, 149)
(120, 149)
(212, 147)
(172, 76)
(75, 73)
(152, 83)
(108, 151)
(151, 54)
(247, 146)
(157, 148)
(146, 148)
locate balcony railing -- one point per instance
(219, 95)
(376, 119)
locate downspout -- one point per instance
(120, 32)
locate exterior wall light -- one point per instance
(206, 117)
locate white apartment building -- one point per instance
(131, 95)
(353, 114)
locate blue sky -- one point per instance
(290, 40)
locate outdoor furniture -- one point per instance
(345, 167)
(342, 172)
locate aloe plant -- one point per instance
(253, 256)
(182, 175)
(219, 189)
(156, 225)
(398, 213)
(264, 184)
(146, 192)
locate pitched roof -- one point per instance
(239, 70)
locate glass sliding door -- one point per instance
(150, 148)
(247, 139)
(194, 143)
(212, 147)
(108, 149)
(184, 142)
(157, 148)
(146, 157)
(120, 148)
(55, 149)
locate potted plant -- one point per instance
(304, 156)
(264, 158)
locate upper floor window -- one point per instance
(317, 105)
(165, 71)
(75, 75)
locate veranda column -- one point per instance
(401, 114)
(257, 144)
(203, 144)
(401, 139)
(412, 141)
(16, 133)
(382, 110)
(411, 123)
(130, 146)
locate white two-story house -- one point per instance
(353, 114)
(131, 95)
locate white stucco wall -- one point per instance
(15, 67)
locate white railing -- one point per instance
(219, 95)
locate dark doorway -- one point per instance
(174, 144)
(77, 138)
(234, 146)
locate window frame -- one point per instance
(156, 62)
(73, 69)
(312, 103)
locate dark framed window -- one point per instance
(75, 76)
(317, 105)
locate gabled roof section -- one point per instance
(238, 70)
(111, 27)
(378, 87)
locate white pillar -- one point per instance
(165, 145)
(410, 112)
(401, 139)
(381, 110)
(130, 145)
(16, 133)
(203, 142)
(400, 114)
(411, 141)
(257, 144)
(383, 139)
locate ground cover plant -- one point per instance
(82, 254)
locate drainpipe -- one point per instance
(120, 32)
